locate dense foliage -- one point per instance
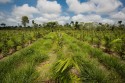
(72, 53)
(11, 41)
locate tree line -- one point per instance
(74, 25)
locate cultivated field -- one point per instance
(62, 56)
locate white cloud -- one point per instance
(41, 20)
(105, 20)
(50, 16)
(60, 19)
(18, 11)
(98, 6)
(45, 6)
(77, 7)
(11, 20)
(104, 6)
(8, 19)
(63, 19)
(23, 10)
(5, 1)
(47, 10)
(91, 18)
(1, 15)
(118, 16)
(123, 10)
(50, 11)
(87, 18)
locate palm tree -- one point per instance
(119, 22)
(72, 23)
(25, 20)
(33, 22)
(52, 24)
(108, 44)
(76, 25)
(3, 24)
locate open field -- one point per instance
(62, 41)
(62, 56)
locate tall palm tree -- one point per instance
(76, 25)
(25, 20)
(3, 24)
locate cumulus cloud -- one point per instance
(106, 20)
(11, 20)
(50, 16)
(77, 7)
(91, 18)
(45, 6)
(123, 10)
(50, 11)
(40, 20)
(118, 16)
(25, 9)
(46, 10)
(5, 1)
(104, 6)
(61, 19)
(1, 15)
(87, 18)
(98, 6)
(7, 18)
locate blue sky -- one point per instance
(105, 11)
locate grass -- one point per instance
(109, 61)
(89, 71)
(21, 65)
(44, 67)
(58, 57)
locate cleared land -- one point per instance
(62, 57)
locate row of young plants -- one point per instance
(91, 70)
(74, 64)
(21, 66)
(109, 62)
(109, 41)
(11, 41)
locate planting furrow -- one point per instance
(97, 74)
(20, 67)
(44, 68)
(109, 61)
(112, 74)
(88, 71)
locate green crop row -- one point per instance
(11, 41)
(109, 41)
(20, 67)
(74, 64)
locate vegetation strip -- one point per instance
(58, 57)
(20, 67)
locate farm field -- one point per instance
(62, 41)
(62, 56)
